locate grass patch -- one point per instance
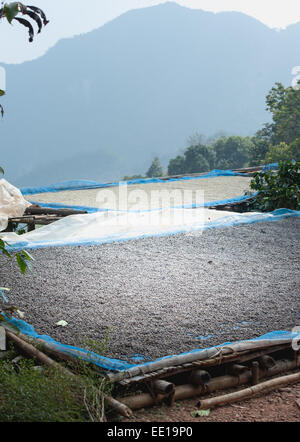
(30, 393)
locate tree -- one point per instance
(261, 143)
(176, 166)
(280, 152)
(284, 104)
(196, 159)
(199, 158)
(155, 170)
(279, 140)
(232, 152)
(132, 177)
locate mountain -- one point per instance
(102, 105)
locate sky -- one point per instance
(73, 17)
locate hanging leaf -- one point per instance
(28, 25)
(39, 11)
(11, 10)
(2, 93)
(22, 261)
(3, 248)
(36, 18)
(27, 255)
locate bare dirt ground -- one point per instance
(282, 405)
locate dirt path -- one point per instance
(282, 405)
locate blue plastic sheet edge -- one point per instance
(223, 222)
(189, 206)
(85, 184)
(86, 355)
(120, 365)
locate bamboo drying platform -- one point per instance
(36, 215)
(257, 365)
(260, 365)
(237, 206)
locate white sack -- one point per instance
(12, 203)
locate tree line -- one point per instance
(276, 141)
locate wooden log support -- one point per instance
(188, 391)
(40, 215)
(266, 361)
(255, 372)
(33, 210)
(33, 352)
(237, 369)
(249, 392)
(117, 406)
(200, 377)
(162, 387)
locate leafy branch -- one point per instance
(23, 260)
(10, 12)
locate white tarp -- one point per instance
(103, 227)
(12, 203)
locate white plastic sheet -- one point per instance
(12, 203)
(117, 226)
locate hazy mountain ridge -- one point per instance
(136, 88)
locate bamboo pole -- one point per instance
(120, 408)
(248, 392)
(188, 391)
(200, 355)
(255, 372)
(238, 358)
(163, 387)
(32, 210)
(46, 360)
(35, 353)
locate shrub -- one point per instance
(277, 189)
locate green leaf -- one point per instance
(27, 255)
(22, 262)
(11, 10)
(1, 171)
(2, 93)
(200, 413)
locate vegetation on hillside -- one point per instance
(278, 141)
